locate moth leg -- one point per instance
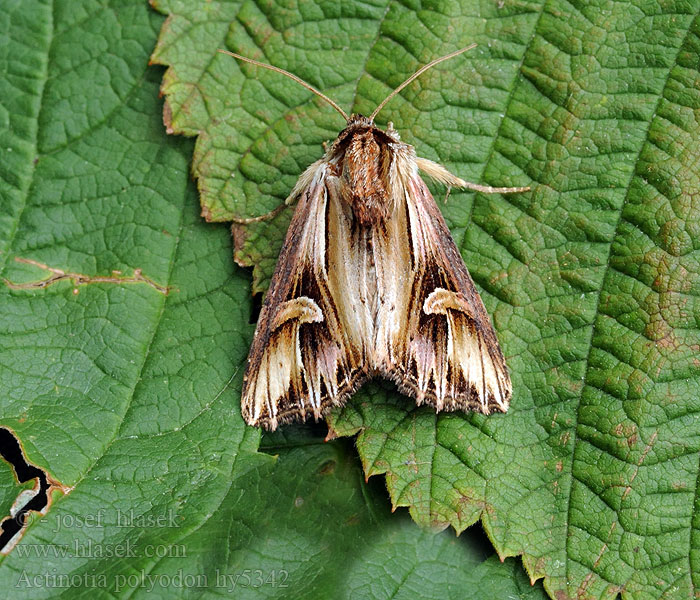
(302, 184)
(266, 217)
(441, 174)
(447, 193)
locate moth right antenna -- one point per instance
(418, 73)
(291, 76)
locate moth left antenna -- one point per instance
(291, 76)
(418, 73)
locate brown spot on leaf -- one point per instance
(327, 468)
(57, 275)
(647, 448)
(239, 233)
(168, 118)
(205, 213)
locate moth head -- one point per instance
(361, 158)
(362, 153)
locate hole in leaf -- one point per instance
(255, 307)
(37, 500)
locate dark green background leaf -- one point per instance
(129, 397)
(592, 279)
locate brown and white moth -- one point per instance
(369, 282)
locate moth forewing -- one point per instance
(369, 282)
(304, 357)
(436, 339)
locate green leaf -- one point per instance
(592, 278)
(436, 567)
(9, 493)
(130, 397)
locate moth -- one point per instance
(369, 282)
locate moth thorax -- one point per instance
(365, 177)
